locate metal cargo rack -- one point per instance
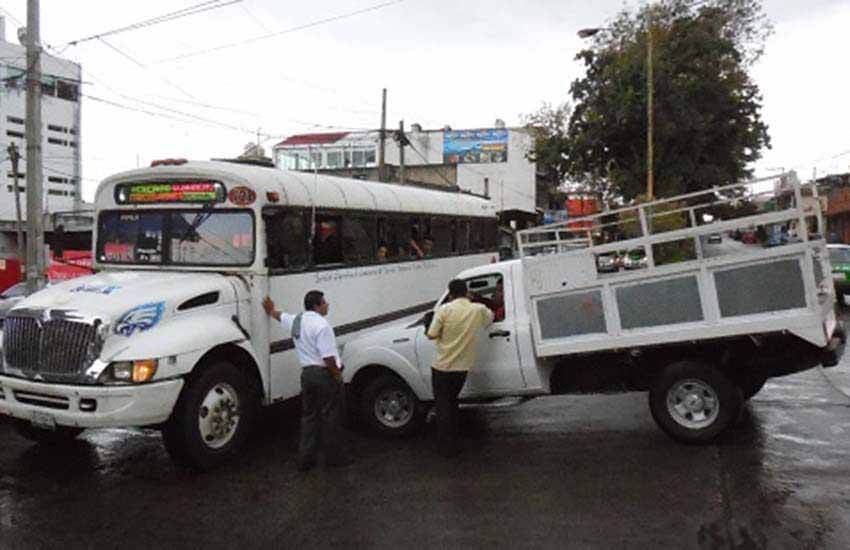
(750, 290)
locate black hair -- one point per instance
(313, 300)
(457, 288)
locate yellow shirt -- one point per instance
(455, 328)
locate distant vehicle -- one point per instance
(839, 257)
(608, 263)
(10, 297)
(748, 237)
(635, 259)
(776, 240)
(715, 238)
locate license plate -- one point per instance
(43, 420)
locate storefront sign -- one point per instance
(178, 192)
(475, 146)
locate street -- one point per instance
(574, 471)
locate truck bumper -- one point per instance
(88, 406)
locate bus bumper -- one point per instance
(51, 405)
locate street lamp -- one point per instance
(650, 179)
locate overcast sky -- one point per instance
(463, 63)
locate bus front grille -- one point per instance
(58, 347)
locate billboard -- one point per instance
(475, 146)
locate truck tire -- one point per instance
(62, 435)
(388, 407)
(212, 418)
(694, 402)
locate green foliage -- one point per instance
(548, 129)
(708, 124)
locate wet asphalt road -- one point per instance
(580, 472)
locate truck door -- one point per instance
(497, 366)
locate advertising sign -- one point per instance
(475, 146)
(179, 192)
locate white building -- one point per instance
(490, 161)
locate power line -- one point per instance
(185, 12)
(315, 23)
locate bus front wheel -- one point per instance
(212, 418)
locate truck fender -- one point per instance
(394, 362)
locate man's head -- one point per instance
(457, 288)
(315, 301)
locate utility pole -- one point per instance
(383, 136)
(650, 179)
(401, 142)
(15, 156)
(35, 228)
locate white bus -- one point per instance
(170, 331)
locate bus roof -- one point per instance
(303, 189)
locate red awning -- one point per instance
(313, 139)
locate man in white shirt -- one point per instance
(321, 380)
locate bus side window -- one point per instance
(398, 238)
(477, 238)
(441, 230)
(463, 236)
(491, 234)
(327, 242)
(358, 235)
(286, 236)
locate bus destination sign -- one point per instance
(164, 192)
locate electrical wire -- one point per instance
(311, 24)
(185, 12)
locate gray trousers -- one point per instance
(321, 415)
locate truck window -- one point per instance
(489, 290)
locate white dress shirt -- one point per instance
(316, 340)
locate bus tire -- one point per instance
(388, 407)
(212, 418)
(693, 402)
(62, 435)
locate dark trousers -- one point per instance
(321, 415)
(446, 387)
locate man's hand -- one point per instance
(268, 305)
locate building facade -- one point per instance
(60, 116)
(486, 161)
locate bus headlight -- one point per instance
(129, 372)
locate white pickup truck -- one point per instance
(702, 333)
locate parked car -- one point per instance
(715, 238)
(635, 259)
(608, 263)
(10, 297)
(839, 257)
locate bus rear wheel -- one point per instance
(212, 418)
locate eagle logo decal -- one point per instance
(140, 318)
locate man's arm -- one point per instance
(326, 344)
(487, 316)
(436, 328)
(284, 319)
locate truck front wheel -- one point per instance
(212, 418)
(390, 408)
(694, 402)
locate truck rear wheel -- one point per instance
(694, 402)
(389, 407)
(212, 418)
(62, 435)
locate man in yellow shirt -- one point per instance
(455, 329)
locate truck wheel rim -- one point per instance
(693, 404)
(394, 408)
(218, 416)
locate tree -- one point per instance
(707, 110)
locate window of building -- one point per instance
(56, 128)
(48, 88)
(67, 90)
(334, 159)
(55, 141)
(346, 158)
(358, 158)
(316, 158)
(14, 120)
(287, 240)
(72, 144)
(12, 133)
(20, 175)
(58, 192)
(72, 131)
(56, 179)
(358, 239)
(11, 188)
(327, 242)
(16, 82)
(370, 157)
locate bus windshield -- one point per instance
(176, 237)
